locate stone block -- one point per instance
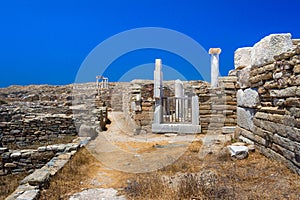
(246, 140)
(296, 69)
(251, 135)
(15, 155)
(295, 112)
(248, 98)
(273, 155)
(10, 165)
(289, 132)
(39, 177)
(228, 129)
(284, 152)
(243, 77)
(238, 152)
(29, 195)
(223, 107)
(286, 92)
(284, 142)
(294, 80)
(269, 67)
(273, 110)
(245, 118)
(264, 51)
(242, 57)
(256, 71)
(292, 101)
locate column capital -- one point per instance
(215, 51)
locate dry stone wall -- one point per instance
(35, 114)
(217, 105)
(13, 161)
(269, 98)
(37, 122)
(30, 187)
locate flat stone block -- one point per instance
(245, 118)
(39, 177)
(264, 51)
(228, 129)
(286, 92)
(238, 152)
(29, 195)
(242, 57)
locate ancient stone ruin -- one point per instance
(268, 98)
(179, 114)
(257, 103)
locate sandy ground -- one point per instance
(120, 153)
(116, 158)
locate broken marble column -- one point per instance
(214, 52)
(158, 91)
(195, 110)
(179, 94)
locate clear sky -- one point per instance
(45, 42)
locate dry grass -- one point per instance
(254, 178)
(71, 178)
(217, 177)
(9, 183)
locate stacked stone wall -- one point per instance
(217, 106)
(268, 113)
(36, 129)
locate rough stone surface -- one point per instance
(245, 118)
(242, 57)
(286, 92)
(29, 195)
(243, 77)
(238, 152)
(248, 98)
(96, 194)
(228, 129)
(31, 185)
(39, 178)
(270, 46)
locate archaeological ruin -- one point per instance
(257, 103)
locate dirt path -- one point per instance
(118, 150)
(115, 158)
(121, 154)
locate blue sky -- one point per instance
(45, 42)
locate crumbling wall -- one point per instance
(13, 161)
(268, 101)
(34, 129)
(217, 105)
(35, 114)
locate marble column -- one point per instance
(214, 52)
(195, 110)
(158, 91)
(179, 94)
